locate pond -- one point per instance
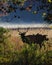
(31, 13)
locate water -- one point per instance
(24, 18)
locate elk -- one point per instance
(38, 38)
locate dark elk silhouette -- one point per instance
(38, 38)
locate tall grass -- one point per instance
(28, 55)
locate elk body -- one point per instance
(38, 38)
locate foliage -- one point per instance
(5, 48)
(29, 55)
(32, 55)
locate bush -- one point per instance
(32, 55)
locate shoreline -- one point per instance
(5, 25)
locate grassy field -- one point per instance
(16, 38)
(32, 48)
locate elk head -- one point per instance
(22, 33)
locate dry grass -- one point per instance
(17, 43)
